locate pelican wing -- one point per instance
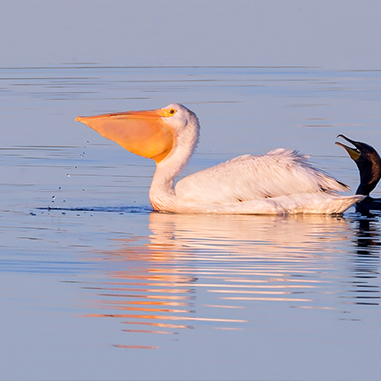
(245, 178)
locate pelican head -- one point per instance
(151, 133)
(368, 162)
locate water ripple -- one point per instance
(206, 270)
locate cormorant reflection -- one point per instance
(366, 261)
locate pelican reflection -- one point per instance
(207, 270)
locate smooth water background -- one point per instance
(96, 286)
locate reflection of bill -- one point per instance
(205, 270)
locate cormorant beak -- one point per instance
(354, 153)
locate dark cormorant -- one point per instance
(368, 162)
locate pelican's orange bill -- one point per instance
(141, 132)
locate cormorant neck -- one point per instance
(370, 173)
(364, 189)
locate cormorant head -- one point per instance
(368, 162)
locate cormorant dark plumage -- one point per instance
(368, 162)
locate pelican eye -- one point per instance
(167, 112)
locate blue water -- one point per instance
(94, 285)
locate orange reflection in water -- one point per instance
(204, 270)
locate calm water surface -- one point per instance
(94, 285)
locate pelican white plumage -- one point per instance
(280, 182)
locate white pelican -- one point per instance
(280, 182)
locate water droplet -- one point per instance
(53, 197)
(59, 188)
(68, 175)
